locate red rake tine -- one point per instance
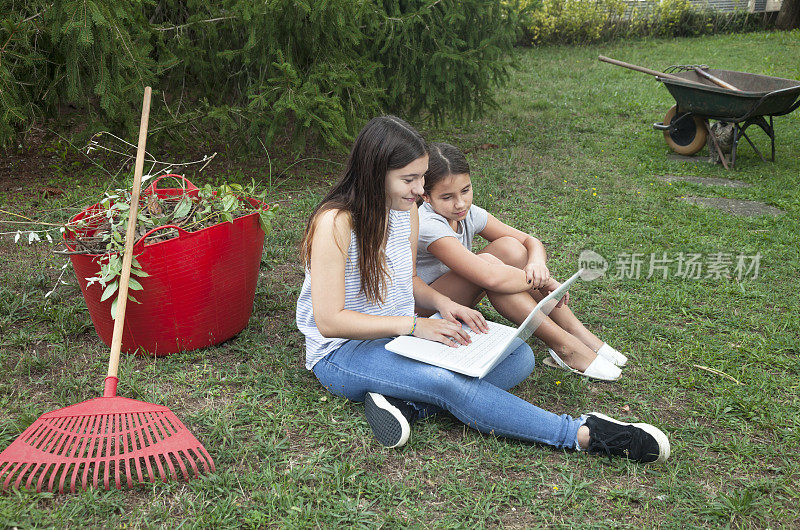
(32, 475)
(162, 435)
(147, 463)
(89, 451)
(188, 455)
(42, 477)
(116, 449)
(150, 431)
(137, 441)
(53, 475)
(7, 483)
(127, 448)
(4, 468)
(100, 451)
(75, 443)
(21, 475)
(162, 431)
(86, 437)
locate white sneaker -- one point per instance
(612, 355)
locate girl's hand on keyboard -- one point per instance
(457, 313)
(442, 331)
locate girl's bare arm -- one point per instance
(429, 298)
(536, 266)
(328, 254)
(494, 277)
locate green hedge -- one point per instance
(586, 21)
(251, 70)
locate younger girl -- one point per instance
(360, 290)
(510, 270)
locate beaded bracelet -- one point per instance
(413, 325)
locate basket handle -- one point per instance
(152, 188)
(181, 233)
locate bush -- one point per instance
(70, 52)
(586, 21)
(251, 70)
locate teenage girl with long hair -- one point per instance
(361, 288)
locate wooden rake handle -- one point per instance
(122, 293)
(716, 80)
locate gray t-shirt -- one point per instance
(433, 226)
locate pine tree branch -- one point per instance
(37, 14)
(218, 19)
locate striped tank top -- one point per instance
(399, 299)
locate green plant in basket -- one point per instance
(103, 231)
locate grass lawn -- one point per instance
(570, 155)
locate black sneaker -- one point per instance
(390, 418)
(640, 442)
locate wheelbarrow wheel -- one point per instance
(686, 134)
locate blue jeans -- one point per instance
(361, 366)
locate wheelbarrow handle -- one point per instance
(640, 68)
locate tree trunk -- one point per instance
(789, 15)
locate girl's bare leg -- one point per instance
(515, 307)
(458, 289)
(511, 252)
(566, 319)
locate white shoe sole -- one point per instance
(388, 424)
(652, 430)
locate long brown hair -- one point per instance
(385, 143)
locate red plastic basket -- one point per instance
(199, 291)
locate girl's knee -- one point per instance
(448, 386)
(527, 359)
(490, 258)
(509, 250)
(523, 359)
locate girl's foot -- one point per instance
(640, 442)
(573, 352)
(612, 355)
(390, 419)
(601, 368)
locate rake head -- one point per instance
(106, 441)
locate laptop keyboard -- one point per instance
(472, 354)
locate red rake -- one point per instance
(110, 437)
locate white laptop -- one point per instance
(486, 350)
